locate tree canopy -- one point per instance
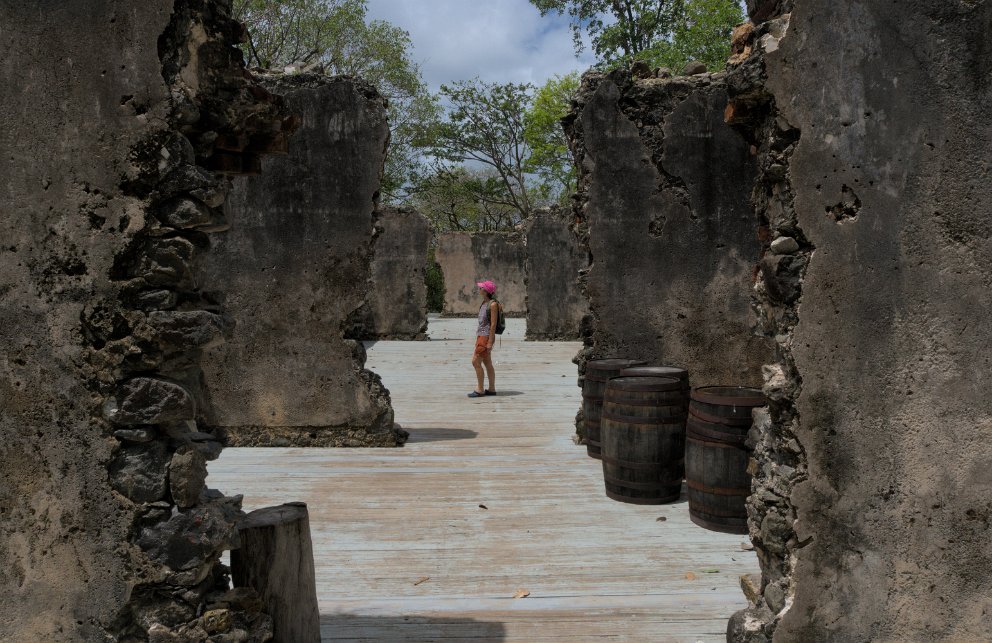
(660, 32)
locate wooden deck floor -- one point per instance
(383, 519)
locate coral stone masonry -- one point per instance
(125, 122)
(292, 272)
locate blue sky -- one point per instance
(496, 40)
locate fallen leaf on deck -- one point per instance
(690, 576)
(521, 593)
(747, 547)
(422, 579)
(710, 570)
(661, 519)
(483, 507)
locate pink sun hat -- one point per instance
(488, 286)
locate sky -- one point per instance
(495, 40)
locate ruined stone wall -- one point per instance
(872, 500)
(396, 303)
(663, 198)
(107, 530)
(292, 272)
(556, 255)
(469, 257)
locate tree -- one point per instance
(660, 32)
(550, 157)
(636, 25)
(462, 199)
(484, 128)
(336, 37)
(702, 33)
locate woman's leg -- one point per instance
(477, 365)
(490, 370)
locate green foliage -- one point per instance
(702, 33)
(616, 28)
(434, 279)
(336, 37)
(550, 158)
(458, 198)
(484, 130)
(661, 32)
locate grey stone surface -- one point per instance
(63, 218)
(292, 269)
(396, 307)
(892, 189)
(467, 258)
(673, 240)
(139, 471)
(555, 257)
(149, 400)
(187, 476)
(115, 110)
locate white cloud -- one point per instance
(496, 40)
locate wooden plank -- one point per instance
(384, 518)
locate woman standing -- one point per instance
(488, 311)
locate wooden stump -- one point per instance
(276, 560)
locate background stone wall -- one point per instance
(556, 258)
(873, 502)
(396, 304)
(663, 191)
(107, 530)
(469, 257)
(293, 270)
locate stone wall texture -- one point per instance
(673, 240)
(556, 258)
(396, 306)
(107, 531)
(291, 273)
(872, 500)
(469, 257)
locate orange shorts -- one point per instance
(482, 346)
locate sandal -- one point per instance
(488, 392)
(476, 394)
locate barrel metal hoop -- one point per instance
(625, 402)
(716, 419)
(722, 445)
(643, 501)
(701, 395)
(642, 486)
(642, 466)
(694, 429)
(698, 508)
(670, 384)
(643, 421)
(720, 491)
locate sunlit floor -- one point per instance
(490, 499)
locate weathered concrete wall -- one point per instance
(396, 304)
(673, 240)
(469, 257)
(107, 531)
(873, 501)
(556, 255)
(293, 270)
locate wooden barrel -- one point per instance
(675, 372)
(716, 457)
(598, 373)
(643, 436)
(681, 374)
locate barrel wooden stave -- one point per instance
(598, 374)
(716, 457)
(643, 442)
